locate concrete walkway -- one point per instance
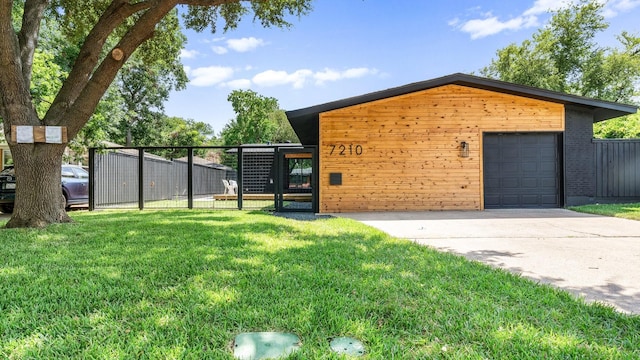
(594, 257)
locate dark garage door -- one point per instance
(521, 170)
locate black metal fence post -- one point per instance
(190, 178)
(92, 157)
(240, 185)
(141, 178)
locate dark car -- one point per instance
(75, 187)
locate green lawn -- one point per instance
(183, 284)
(627, 211)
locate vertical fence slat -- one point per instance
(618, 169)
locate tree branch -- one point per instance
(89, 55)
(88, 98)
(207, 2)
(28, 35)
(15, 101)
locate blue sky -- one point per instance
(346, 48)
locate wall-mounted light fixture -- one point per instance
(464, 149)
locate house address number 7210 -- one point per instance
(345, 150)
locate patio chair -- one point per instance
(228, 190)
(234, 186)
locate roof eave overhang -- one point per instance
(305, 121)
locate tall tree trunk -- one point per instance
(39, 200)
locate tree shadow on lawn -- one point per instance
(610, 291)
(150, 291)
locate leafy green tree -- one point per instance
(145, 83)
(144, 89)
(258, 120)
(176, 131)
(623, 127)
(110, 33)
(283, 132)
(564, 56)
(47, 80)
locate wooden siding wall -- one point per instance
(403, 153)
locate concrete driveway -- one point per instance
(594, 257)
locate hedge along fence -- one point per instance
(617, 170)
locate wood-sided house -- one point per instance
(458, 142)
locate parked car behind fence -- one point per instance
(74, 181)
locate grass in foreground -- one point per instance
(626, 211)
(183, 284)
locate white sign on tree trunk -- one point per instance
(24, 134)
(53, 134)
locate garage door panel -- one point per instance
(511, 157)
(492, 168)
(530, 183)
(549, 183)
(493, 199)
(510, 183)
(530, 167)
(530, 200)
(549, 168)
(510, 200)
(521, 170)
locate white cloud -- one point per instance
(615, 7)
(214, 40)
(188, 54)
(491, 25)
(333, 75)
(211, 75)
(299, 78)
(218, 75)
(220, 50)
(327, 75)
(244, 44)
(625, 5)
(544, 6)
(359, 72)
(238, 45)
(275, 78)
(454, 22)
(239, 84)
(480, 28)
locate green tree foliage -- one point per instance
(283, 130)
(623, 127)
(564, 56)
(46, 80)
(175, 131)
(258, 120)
(146, 81)
(107, 34)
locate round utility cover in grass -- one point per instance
(347, 346)
(264, 345)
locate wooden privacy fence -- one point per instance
(617, 170)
